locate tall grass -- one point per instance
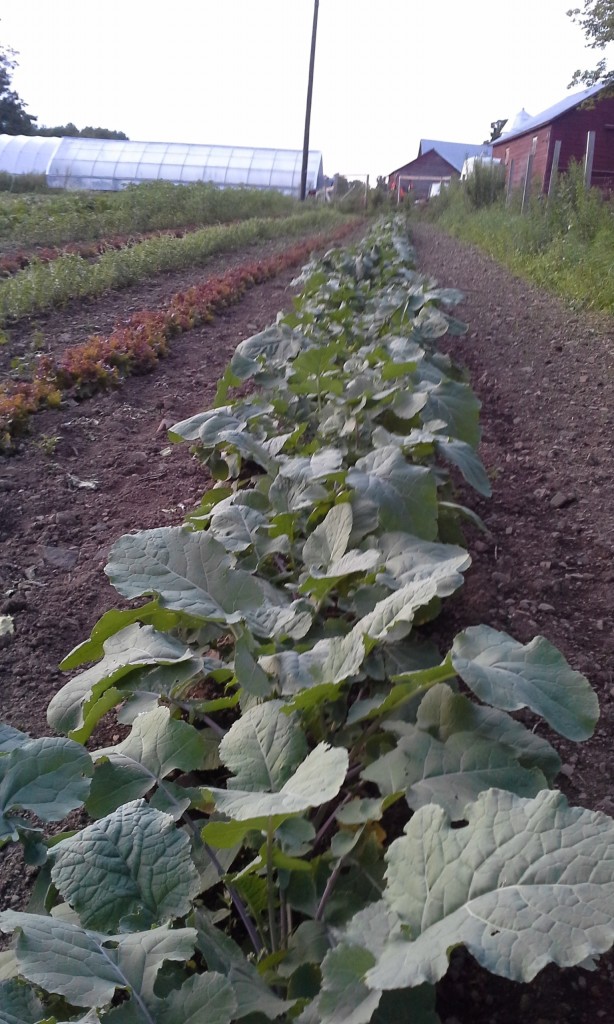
(564, 243)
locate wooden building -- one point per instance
(567, 122)
(437, 161)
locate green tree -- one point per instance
(70, 129)
(596, 19)
(13, 117)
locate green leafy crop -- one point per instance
(312, 805)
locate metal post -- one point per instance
(312, 58)
(588, 159)
(367, 193)
(554, 170)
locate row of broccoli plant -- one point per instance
(312, 804)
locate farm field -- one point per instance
(103, 467)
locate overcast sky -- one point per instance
(234, 72)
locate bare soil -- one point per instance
(545, 376)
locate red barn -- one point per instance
(568, 122)
(436, 162)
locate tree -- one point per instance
(596, 19)
(70, 129)
(13, 117)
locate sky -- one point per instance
(234, 72)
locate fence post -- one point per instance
(554, 170)
(510, 180)
(367, 193)
(588, 159)
(526, 192)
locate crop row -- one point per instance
(42, 286)
(11, 263)
(136, 345)
(308, 812)
(83, 216)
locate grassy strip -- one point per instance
(83, 216)
(137, 344)
(565, 244)
(12, 263)
(42, 286)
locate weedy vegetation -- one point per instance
(563, 242)
(312, 805)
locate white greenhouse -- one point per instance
(111, 165)
(26, 154)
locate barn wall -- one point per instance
(519, 149)
(571, 128)
(425, 169)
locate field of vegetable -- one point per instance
(286, 696)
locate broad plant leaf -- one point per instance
(511, 675)
(11, 738)
(210, 992)
(156, 746)
(458, 407)
(316, 781)
(405, 496)
(465, 458)
(408, 558)
(442, 713)
(263, 748)
(49, 777)
(345, 998)
(132, 864)
(19, 1004)
(73, 710)
(87, 967)
(190, 572)
(525, 883)
(450, 773)
(329, 541)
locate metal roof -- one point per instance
(532, 123)
(455, 152)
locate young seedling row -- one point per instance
(312, 805)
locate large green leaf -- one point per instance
(464, 456)
(156, 746)
(329, 540)
(73, 709)
(86, 967)
(11, 738)
(316, 781)
(510, 675)
(408, 558)
(210, 993)
(405, 496)
(329, 661)
(525, 883)
(190, 572)
(443, 713)
(133, 864)
(19, 1004)
(458, 407)
(450, 773)
(263, 748)
(345, 999)
(49, 777)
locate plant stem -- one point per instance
(330, 885)
(271, 887)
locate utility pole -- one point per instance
(312, 58)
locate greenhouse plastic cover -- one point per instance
(112, 165)
(26, 154)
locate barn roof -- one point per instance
(455, 152)
(550, 114)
